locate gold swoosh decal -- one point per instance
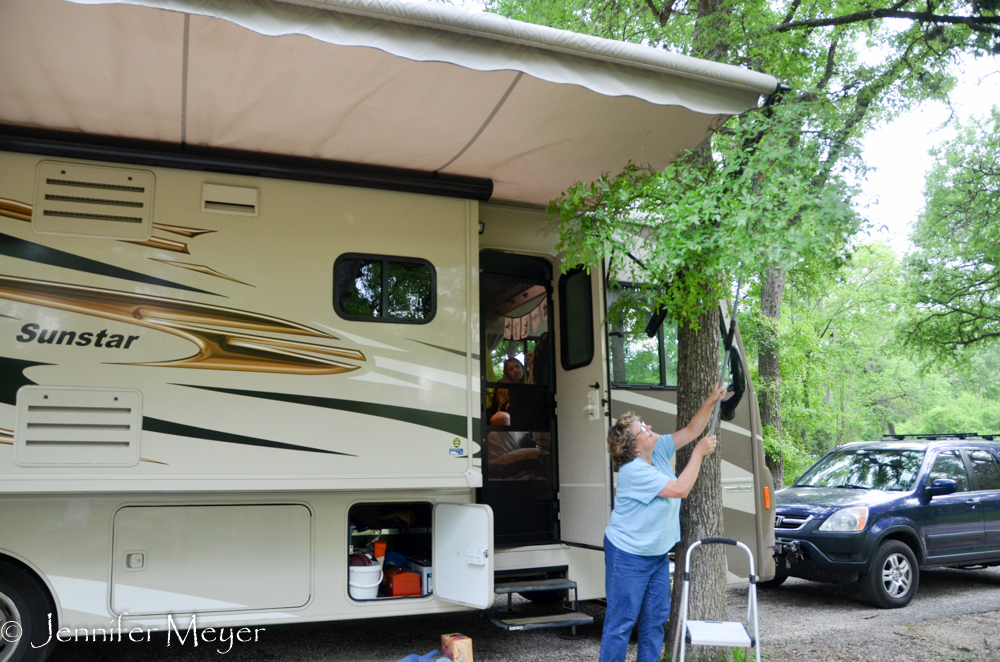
(181, 230)
(19, 211)
(200, 268)
(217, 349)
(163, 244)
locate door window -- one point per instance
(577, 319)
(985, 469)
(949, 464)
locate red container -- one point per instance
(399, 582)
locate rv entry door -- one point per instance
(463, 554)
(518, 424)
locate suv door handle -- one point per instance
(973, 500)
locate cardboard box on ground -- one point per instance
(456, 647)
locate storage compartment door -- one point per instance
(463, 554)
(195, 559)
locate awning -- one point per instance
(414, 85)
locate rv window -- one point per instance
(378, 288)
(637, 359)
(576, 320)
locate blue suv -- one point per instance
(878, 512)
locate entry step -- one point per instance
(564, 619)
(530, 585)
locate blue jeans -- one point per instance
(636, 587)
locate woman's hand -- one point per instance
(717, 394)
(706, 446)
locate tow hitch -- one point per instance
(786, 551)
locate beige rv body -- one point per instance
(278, 450)
(186, 422)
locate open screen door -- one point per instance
(463, 554)
(584, 469)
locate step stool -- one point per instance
(731, 634)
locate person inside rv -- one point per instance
(644, 526)
(499, 410)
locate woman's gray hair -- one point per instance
(621, 441)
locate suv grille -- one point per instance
(790, 522)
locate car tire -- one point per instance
(25, 608)
(894, 576)
(773, 583)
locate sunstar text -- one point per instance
(31, 332)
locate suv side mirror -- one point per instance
(942, 486)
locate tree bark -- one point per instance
(769, 365)
(701, 511)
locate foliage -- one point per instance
(953, 276)
(848, 377)
(677, 230)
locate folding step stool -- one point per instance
(731, 634)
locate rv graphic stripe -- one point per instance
(216, 349)
(181, 430)
(12, 378)
(27, 250)
(450, 423)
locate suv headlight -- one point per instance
(847, 519)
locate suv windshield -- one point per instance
(877, 469)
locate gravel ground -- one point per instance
(954, 618)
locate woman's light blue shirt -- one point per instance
(641, 522)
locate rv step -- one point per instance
(529, 585)
(565, 619)
(709, 633)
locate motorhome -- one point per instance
(276, 282)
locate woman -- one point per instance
(513, 373)
(644, 526)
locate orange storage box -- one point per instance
(399, 582)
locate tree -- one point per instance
(953, 275)
(838, 95)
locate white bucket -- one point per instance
(364, 581)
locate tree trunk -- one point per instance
(701, 511)
(769, 365)
(617, 339)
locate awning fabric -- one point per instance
(415, 85)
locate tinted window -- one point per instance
(985, 469)
(862, 468)
(378, 288)
(949, 464)
(576, 320)
(410, 291)
(636, 358)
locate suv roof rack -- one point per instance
(953, 435)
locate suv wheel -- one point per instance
(773, 583)
(894, 576)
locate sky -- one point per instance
(898, 152)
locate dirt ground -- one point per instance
(968, 638)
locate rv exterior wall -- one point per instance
(309, 540)
(249, 378)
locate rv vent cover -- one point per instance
(71, 427)
(93, 201)
(237, 200)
